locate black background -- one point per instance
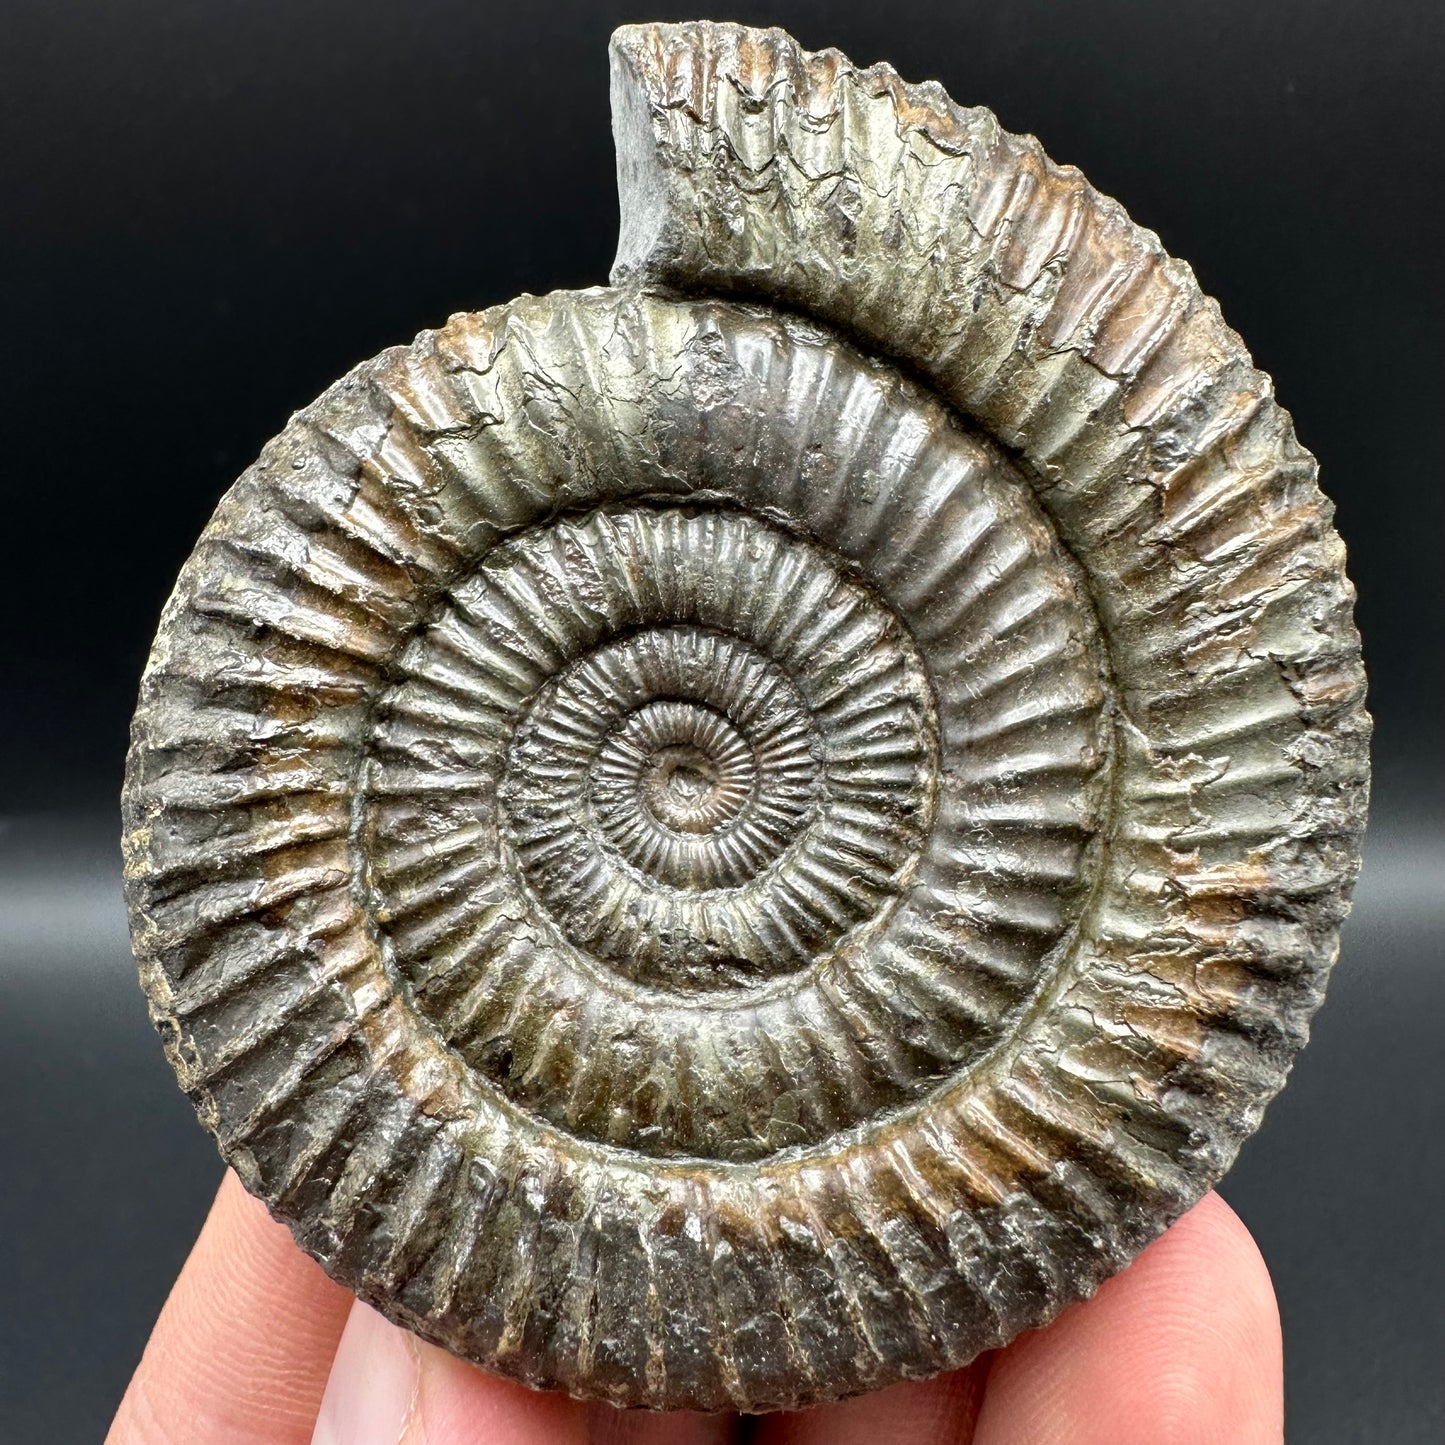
(208, 211)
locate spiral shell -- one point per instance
(729, 840)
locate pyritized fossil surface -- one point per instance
(731, 839)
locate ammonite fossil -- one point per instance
(729, 839)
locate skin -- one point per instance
(255, 1346)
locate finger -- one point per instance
(933, 1412)
(640, 1427)
(243, 1344)
(389, 1388)
(1183, 1347)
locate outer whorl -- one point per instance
(729, 840)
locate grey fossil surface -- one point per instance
(730, 839)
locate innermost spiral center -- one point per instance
(691, 769)
(674, 780)
(680, 788)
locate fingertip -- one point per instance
(939, 1411)
(244, 1342)
(459, 1404)
(371, 1392)
(387, 1387)
(1181, 1348)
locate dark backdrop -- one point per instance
(208, 211)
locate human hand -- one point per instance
(255, 1346)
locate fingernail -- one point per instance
(372, 1389)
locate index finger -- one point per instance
(1183, 1346)
(244, 1342)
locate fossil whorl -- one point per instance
(731, 839)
